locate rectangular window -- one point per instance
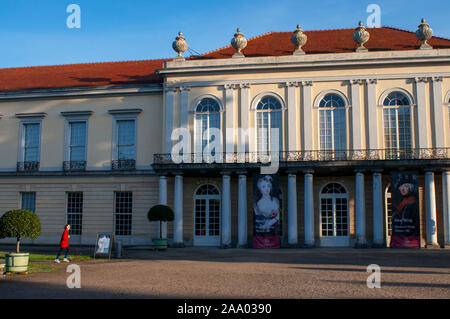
(123, 213)
(31, 142)
(126, 139)
(28, 201)
(77, 141)
(75, 212)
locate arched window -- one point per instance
(207, 116)
(397, 124)
(268, 117)
(332, 125)
(207, 216)
(334, 213)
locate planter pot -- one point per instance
(16, 262)
(159, 243)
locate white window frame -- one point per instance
(329, 241)
(115, 213)
(411, 107)
(207, 240)
(21, 199)
(194, 113)
(283, 110)
(82, 209)
(115, 146)
(23, 123)
(67, 135)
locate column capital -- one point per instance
(308, 171)
(241, 173)
(171, 89)
(360, 170)
(292, 172)
(244, 85)
(306, 83)
(225, 173)
(291, 84)
(429, 170)
(229, 86)
(420, 79)
(436, 79)
(371, 81)
(377, 170)
(357, 81)
(184, 88)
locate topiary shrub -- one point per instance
(19, 223)
(161, 213)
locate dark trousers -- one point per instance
(61, 250)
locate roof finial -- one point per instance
(424, 33)
(180, 45)
(239, 42)
(298, 39)
(361, 36)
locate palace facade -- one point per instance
(91, 144)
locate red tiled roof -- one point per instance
(327, 41)
(139, 72)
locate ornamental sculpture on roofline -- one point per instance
(298, 39)
(180, 45)
(424, 33)
(239, 42)
(361, 36)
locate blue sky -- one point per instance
(35, 32)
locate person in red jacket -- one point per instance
(64, 244)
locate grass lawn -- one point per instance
(41, 257)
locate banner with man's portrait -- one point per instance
(405, 210)
(266, 211)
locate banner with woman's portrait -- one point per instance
(266, 211)
(405, 210)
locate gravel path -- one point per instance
(241, 273)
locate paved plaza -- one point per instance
(245, 273)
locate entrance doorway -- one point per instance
(207, 216)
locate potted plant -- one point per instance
(19, 223)
(161, 213)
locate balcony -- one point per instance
(27, 166)
(337, 159)
(123, 165)
(74, 166)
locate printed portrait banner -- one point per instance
(405, 210)
(103, 244)
(266, 211)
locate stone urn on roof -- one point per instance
(239, 42)
(424, 33)
(299, 39)
(361, 36)
(180, 46)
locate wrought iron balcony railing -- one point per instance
(27, 166)
(309, 156)
(123, 165)
(70, 166)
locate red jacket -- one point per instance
(64, 243)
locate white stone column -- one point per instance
(360, 210)
(184, 106)
(356, 114)
(309, 209)
(168, 119)
(178, 211)
(378, 212)
(162, 200)
(242, 211)
(446, 206)
(292, 209)
(438, 116)
(226, 210)
(244, 140)
(372, 128)
(422, 116)
(229, 122)
(307, 116)
(430, 201)
(292, 115)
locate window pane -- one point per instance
(31, 142)
(75, 212)
(126, 139)
(123, 213)
(78, 134)
(28, 201)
